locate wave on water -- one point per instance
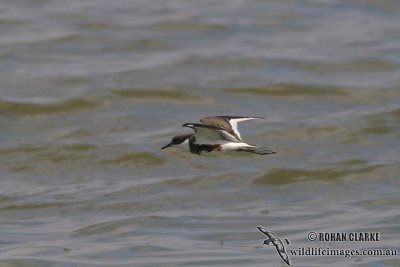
(25, 108)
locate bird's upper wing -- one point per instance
(228, 122)
(210, 134)
(265, 231)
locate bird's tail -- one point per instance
(257, 150)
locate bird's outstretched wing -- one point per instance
(210, 134)
(228, 122)
(265, 231)
(274, 240)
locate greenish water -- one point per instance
(91, 90)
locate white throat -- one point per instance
(184, 145)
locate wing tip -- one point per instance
(262, 229)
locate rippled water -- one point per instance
(90, 91)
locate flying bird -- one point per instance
(217, 133)
(274, 240)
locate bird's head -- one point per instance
(268, 242)
(177, 140)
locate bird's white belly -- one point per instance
(235, 146)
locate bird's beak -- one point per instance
(166, 146)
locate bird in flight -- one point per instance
(274, 240)
(217, 133)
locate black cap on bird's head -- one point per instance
(177, 140)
